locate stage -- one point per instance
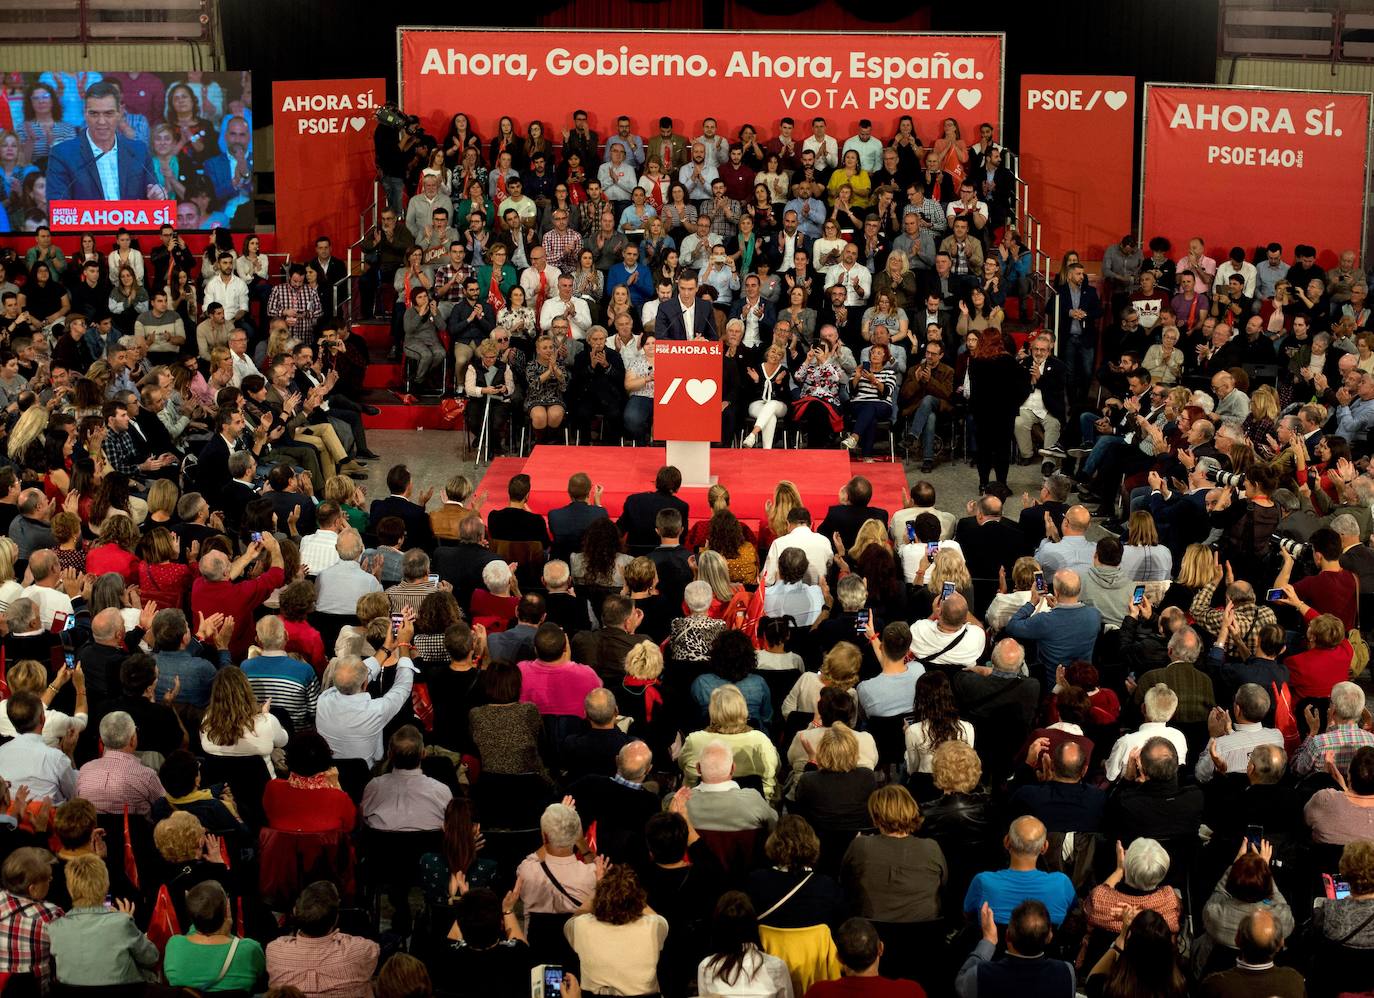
(749, 475)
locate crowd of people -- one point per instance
(262, 734)
(183, 137)
(825, 267)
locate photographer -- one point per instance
(821, 379)
(1332, 589)
(171, 250)
(392, 141)
(1247, 519)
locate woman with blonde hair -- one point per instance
(1143, 558)
(839, 670)
(1005, 603)
(642, 696)
(948, 566)
(279, 341)
(717, 498)
(834, 797)
(728, 722)
(27, 434)
(94, 946)
(786, 498)
(350, 496)
(896, 875)
(871, 531)
(235, 724)
(1262, 422)
(9, 586)
(715, 571)
(29, 676)
(897, 281)
(162, 502)
(1194, 573)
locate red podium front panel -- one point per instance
(687, 376)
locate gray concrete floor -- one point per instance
(434, 456)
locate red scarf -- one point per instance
(494, 296)
(542, 294)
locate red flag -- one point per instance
(130, 864)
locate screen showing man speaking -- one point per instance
(71, 139)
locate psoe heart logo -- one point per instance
(1074, 100)
(330, 114)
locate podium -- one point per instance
(687, 405)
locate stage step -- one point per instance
(396, 415)
(383, 374)
(376, 333)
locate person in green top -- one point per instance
(351, 499)
(210, 957)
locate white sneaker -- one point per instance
(849, 442)
(749, 440)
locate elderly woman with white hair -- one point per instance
(754, 752)
(690, 637)
(499, 596)
(554, 881)
(1137, 882)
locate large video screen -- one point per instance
(147, 144)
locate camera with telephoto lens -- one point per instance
(1226, 479)
(1295, 549)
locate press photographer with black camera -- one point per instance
(1247, 517)
(393, 142)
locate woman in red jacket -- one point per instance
(162, 575)
(1326, 662)
(113, 550)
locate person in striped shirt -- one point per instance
(289, 683)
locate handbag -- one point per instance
(451, 412)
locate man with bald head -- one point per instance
(1026, 841)
(1050, 786)
(31, 528)
(100, 657)
(619, 803)
(989, 542)
(50, 591)
(1064, 634)
(1258, 940)
(950, 637)
(1069, 547)
(347, 716)
(217, 592)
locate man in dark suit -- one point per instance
(212, 471)
(787, 243)
(1079, 309)
(750, 307)
(674, 562)
(330, 270)
(851, 512)
(639, 519)
(619, 805)
(239, 491)
(568, 523)
(1045, 402)
(1000, 703)
(283, 492)
(399, 504)
(989, 542)
(100, 164)
(461, 564)
(1054, 493)
(683, 317)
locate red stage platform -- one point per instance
(750, 475)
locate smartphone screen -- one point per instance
(1253, 835)
(396, 620)
(861, 622)
(553, 981)
(947, 590)
(1039, 582)
(1342, 889)
(433, 578)
(70, 623)
(911, 531)
(1274, 595)
(71, 661)
(932, 549)
(1138, 596)
(257, 536)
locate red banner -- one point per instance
(1243, 166)
(106, 216)
(324, 163)
(687, 376)
(1079, 191)
(737, 77)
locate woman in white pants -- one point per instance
(770, 381)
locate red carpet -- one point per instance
(750, 475)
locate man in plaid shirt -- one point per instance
(24, 915)
(1343, 737)
(297, 303)
(123, 452)
(562, 243)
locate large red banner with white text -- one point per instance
(324, 161)
(1242, 166)
(1079, 191)
(737, 77)
(102, 216)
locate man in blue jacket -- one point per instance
(1066, 632)
(99, 164)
